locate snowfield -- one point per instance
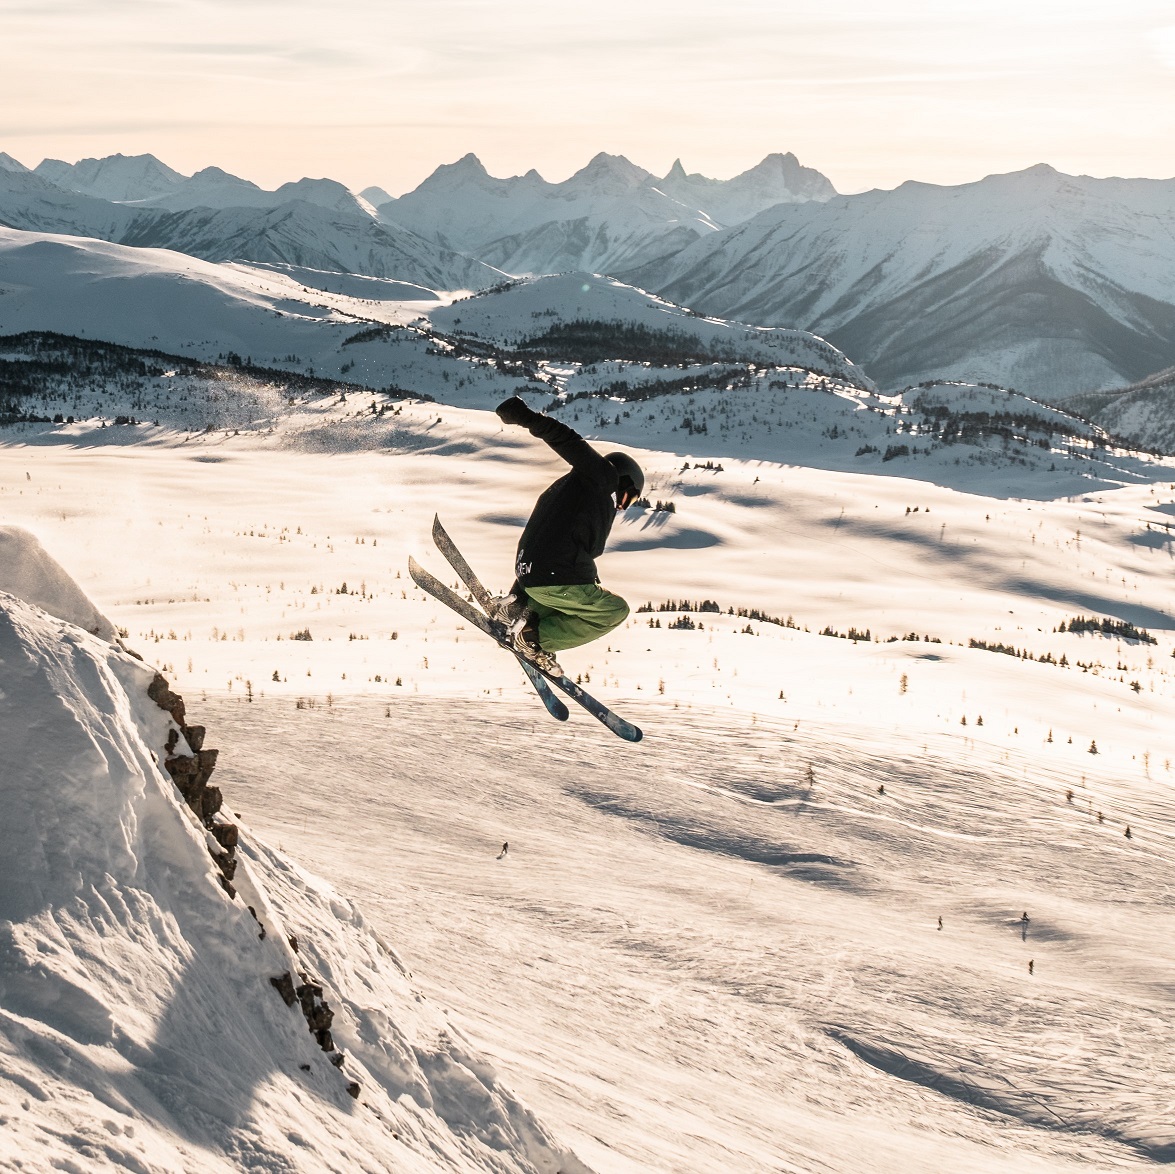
(139, 1028)
(718, 950)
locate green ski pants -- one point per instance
(576, 614)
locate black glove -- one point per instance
(514, 411)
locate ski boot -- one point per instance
(526, 641)
(510, 610)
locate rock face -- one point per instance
(190, 773)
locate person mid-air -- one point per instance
(556, 601)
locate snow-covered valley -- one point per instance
(719, 949)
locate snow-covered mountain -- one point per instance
(558, 317)
(146, 181)
(1038, 280)
(609, 215)
(116, 177)
(1143, 413)
(312, 236)
(778, 179)
(176, 994)
(27, 201)
(214, 188)
(317, 224)
(8, 163)
(376, 195)
(169, 301)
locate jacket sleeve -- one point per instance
(575, 451)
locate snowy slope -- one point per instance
(30, 573)
(138, 1025)
(307, 234)
(608, 216)
(157, 298)
(528, 311)
(27, 201)
(1143, 412)
(1037, 280)
(214, 188)
(167, 301)
(720, 950)
(333, 325)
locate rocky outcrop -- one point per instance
(190, 772)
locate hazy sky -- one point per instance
(381, 91)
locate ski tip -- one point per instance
(437, 528)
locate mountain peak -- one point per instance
(214, 172)
(468, 164)
(776, 161)
(114, 177)
(8, 163)
(612, 171)
(375, 195)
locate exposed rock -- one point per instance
(284, 985)
(319, 1015)
(190, 773)
(226, 835)
(160, 692)
(211, 801)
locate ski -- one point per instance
(456, 559)
(597, 709)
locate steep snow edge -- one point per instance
(140, 1027)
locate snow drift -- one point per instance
(140, 1027)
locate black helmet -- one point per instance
(629, 471)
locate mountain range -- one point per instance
(317, 224)
(610, 215)
(1046, 282)
(1053, 284)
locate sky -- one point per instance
(382, 91)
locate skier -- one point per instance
(556, 601)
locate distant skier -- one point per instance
(556, 601)
(505, 851)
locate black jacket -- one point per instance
(571, 520)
